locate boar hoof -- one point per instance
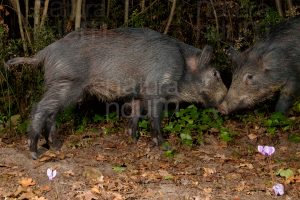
(34, 155)
(158, 141)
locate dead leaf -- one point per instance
(163, 173)
(208, 171)
(252, 136)
(207, 190)
(45, 188)
(100, 158)
(28, 195)
(87, 195)
(93, 174)
(19, 191)
(68, 173)
(39, 198)
(222, 156)
(47, 156)
(95, 189)
(26, 182)
(248, 165)
(241, 186)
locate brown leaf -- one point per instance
(68, 173)
(241, 186)
(26, 182)
(45, 188)
(252, 136)
(47, 156)
(87, 195)
(100, 158)
(95, 189)
(248, 165)
(39, 198)
(93, 174)
(28, 195)
(208, 171)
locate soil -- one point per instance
(92, 165)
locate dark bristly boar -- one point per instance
(272, 65)
(140, 64)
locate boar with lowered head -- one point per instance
(142, 65)
(271, 66)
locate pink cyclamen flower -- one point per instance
(278, 189)
(266, 150)
(51, 173)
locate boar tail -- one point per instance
(35, 60)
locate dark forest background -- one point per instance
(28, 26)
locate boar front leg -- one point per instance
(287, 97)
(136, 112)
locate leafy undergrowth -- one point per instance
(102, 162)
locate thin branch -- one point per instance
(170, 17)
(16, 5)
(108, 8)
(45, 10)
(216, 16)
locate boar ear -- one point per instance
(267, 61)
(205, 56)
(199, 60)
(233, 54)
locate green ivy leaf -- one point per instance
(287, 173)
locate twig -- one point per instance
(170, 17)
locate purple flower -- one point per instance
(278, 189)
(51, 173)
(266, 150)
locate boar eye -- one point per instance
(216, 74)
(248, 78)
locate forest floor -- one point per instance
(92, 165)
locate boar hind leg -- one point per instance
(56, 98)
(286, 99)
(155, 115)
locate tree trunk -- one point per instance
(73, 11)
(279, 7)
(45, 10)
(26, 11)
(83, 10)
(143, 5)
(103, 13)
(78, 14)
(108, 8)
(290, 5)
(170, 17)
(198, 23)
(37, 7)
(16, 5)
(126, 12)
